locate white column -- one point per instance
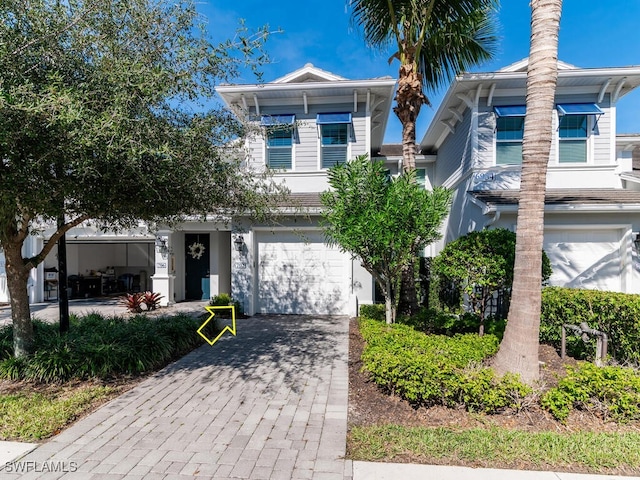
(163, 278)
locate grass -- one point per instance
(31, 416)
(605, 453)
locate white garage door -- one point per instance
(585, 258)
(299, 274)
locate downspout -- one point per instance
(492, 220)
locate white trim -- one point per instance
(603, 90)
(587, 167)
(492, 89)
(571, 208)
(629, 178)
(616, 93)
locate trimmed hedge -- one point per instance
(616, 314)
(436, 369)
(374, 312)
(611, 392)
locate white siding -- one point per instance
(455, 152)
(306, 144)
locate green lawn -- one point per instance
(31, 415)
(604, 453)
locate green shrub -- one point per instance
(611, 392)
(12, 368)
(481, 390)
(616, 314)
(436, 369)
(226, 300)
(54, 364)
(473, 268)
(375, 312)
(6, 341)
(429, 320)
(102, 347)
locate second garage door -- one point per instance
(299, 274)
(586, 258)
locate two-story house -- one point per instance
(592, 212)
(309, 121)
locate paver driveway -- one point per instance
(270, 403)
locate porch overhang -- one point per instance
(561, 200)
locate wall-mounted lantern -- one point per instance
(161, 245)
(239, 243)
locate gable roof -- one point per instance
(310, 85)
(309, 73)
(511, 81)
(521, 66)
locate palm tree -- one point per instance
(519, 348)
(433, 40)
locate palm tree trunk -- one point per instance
(518, 351)
(409, 101)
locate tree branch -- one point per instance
(35, 260)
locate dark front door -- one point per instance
(197, 266)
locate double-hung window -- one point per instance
(573, 130)
(279, 141)
(334, 130)
(509, 132)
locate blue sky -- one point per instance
(593, 33)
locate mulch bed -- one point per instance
(369, 405)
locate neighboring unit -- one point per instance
(593, 196)
(302, 124)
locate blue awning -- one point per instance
(329, 118)
(275, 120)
(511, 111)
(579, 109)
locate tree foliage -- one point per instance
(106, 113)
(381, 220)
(433, 40)
(480, 264)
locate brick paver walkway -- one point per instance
(270, 403)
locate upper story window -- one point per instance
(572, 133)
(279, 140)
(573, 130)
(334, 138)
(509, 132)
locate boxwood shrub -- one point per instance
(437, 369)
(616, 314)
(610, 392)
